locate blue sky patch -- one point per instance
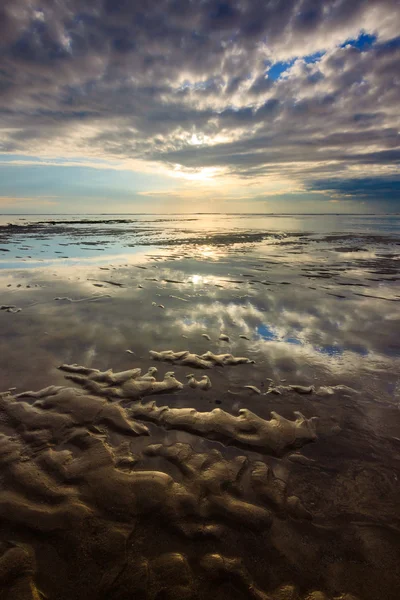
(312, 58)
(364, 42)
(278, 68)
(275, 71)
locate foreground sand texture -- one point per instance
(64, 478)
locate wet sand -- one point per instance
(214, 417)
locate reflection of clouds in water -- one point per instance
(330, 359)
(218, 315)
(266, 332)
(288, 326)
(362, 325)
(326, 331)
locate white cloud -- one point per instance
(188, 96)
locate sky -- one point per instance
(126, 106)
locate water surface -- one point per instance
(97, 509)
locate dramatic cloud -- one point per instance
(302, 91)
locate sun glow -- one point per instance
(206, 174)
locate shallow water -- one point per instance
(203, 505)
(35, 240)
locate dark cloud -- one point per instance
(367, 188)
(183, 82)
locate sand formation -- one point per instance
(66, 473)
(224, 338)
(17, 567)
(210, 488)
(323, 390)
(76, 493)
(68, 408)
(70, 483)
(221, 567)
(203, 384)
(202, 361)
(253, 389)
(273, 436)
(11, 308)
(126, 385)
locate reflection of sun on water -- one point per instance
(207, 252)
(196, 279)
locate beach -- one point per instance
(197, 406)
